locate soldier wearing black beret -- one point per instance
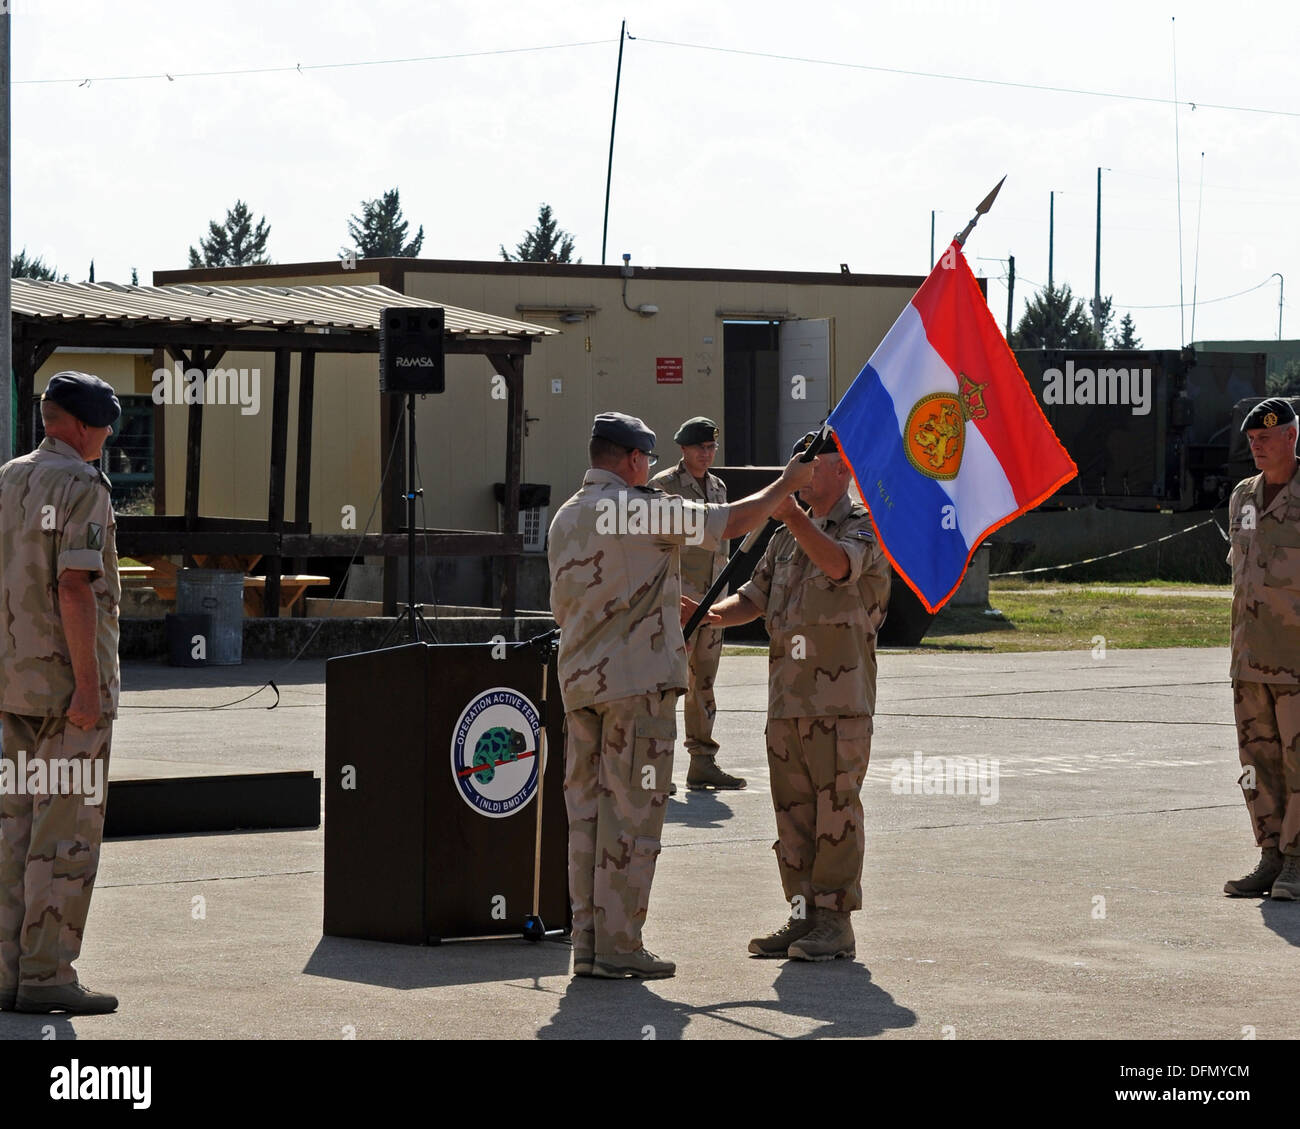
(1264, 523)
(59, 681)
(690, 478)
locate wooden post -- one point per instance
(302, 483)
(512, 368)
(275, 500)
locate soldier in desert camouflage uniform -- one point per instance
(616, 595)
(1264, 521)
(58, 692)
(690, 478)
(823, 587)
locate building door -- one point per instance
(751, 393)
(805, 381)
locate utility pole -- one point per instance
(6, 298)
(1096, 279)
(932, 239)
(1011, 290)
(609, 171)
(1051, 236)
(1281, 285)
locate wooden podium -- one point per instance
(432, 781)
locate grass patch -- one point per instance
(1070, 618)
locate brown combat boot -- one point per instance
(8, 995)
(1260, 880)
(1286, 886)
(776, 944)
(705, 773)
(831, 936)
(641, 965)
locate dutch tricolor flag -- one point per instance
(946, 440)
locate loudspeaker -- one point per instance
(410, 349)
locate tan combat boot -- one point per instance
(1260, 880)
(641, 965)
(831, 936)
(776, 944)
(1286, 886)
(73, 998)
(705, 773)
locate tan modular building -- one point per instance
(764, 353)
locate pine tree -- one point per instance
(544, 244)
(380, 231)
(235, 243)
(1054, 319)
(135, 277)
(23, 267)
(1127, 338)
(92, 271)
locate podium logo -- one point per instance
(494, 752)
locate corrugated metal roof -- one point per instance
(252, 307)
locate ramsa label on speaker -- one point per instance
(494, 752)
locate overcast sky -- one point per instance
(725, 156)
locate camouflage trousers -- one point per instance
(49, 851)
(1268, 739)
(817, 765)
(618, 763)
(700, 707)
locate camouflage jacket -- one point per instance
(700, 567)
(1265, 559)
(56, 513)
(615, 590)
(822, 658)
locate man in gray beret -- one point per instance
(59, 594)
(614, 554)
(690, 478)
(1264, 524)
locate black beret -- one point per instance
(701, 429)
(801, 445)
(1273, 412)
(626, 431)
(87, 397)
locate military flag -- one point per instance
(946, 440)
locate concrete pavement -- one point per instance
(1084, 902)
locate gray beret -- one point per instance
(87, 397)
(700, 429)
(1273, 412)
(626, 431)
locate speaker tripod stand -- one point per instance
(413, 618)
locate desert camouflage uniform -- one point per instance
(622, 662)
(55, 514)
(1265, 559)
(700, 567)
(821, 695)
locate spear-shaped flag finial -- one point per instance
(983, 206)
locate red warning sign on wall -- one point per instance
(668, 370)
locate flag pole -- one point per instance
(981, 209)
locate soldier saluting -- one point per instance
(1264, 523)
(614, 552)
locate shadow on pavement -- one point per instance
(435, 966)
(1283, 918)
(16, 1025)
(697, 809)
(838, 995)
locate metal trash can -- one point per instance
(218, 593)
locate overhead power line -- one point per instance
(968, 78)
(172, 76)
